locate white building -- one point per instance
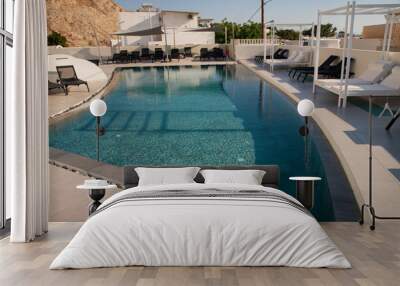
(182, 27)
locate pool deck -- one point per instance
(347, 131)
(59, 104)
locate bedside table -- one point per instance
(305, 190)
(96, 193)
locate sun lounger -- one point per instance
(333, 71)
(53, 85)
(204, 54)
(146, 55)
(301, 70)
(175, 54)
(68, 77)
(374, 73)
(188, 52)
(158, 54)
(295, 59)
(134, 56)
(390, 86)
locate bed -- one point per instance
(201, 224)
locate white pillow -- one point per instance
(374, 73)
(166, 176)
(247, 177)
(302, 57)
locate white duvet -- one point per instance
(202, 232)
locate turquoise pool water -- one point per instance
(210, 115)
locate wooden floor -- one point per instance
(375, 257)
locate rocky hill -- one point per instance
(80, 20)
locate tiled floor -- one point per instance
(374, 257)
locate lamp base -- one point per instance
(304, 131)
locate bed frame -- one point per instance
(271, 177)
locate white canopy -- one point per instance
(390, 11)
(273, 25)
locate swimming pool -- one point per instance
(192, 115)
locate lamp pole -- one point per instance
(98, 108)
(98, 138)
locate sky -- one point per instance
(282, 11)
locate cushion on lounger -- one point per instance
(293, 55)
(166, 176)
(246, 177)
(302, 57)
(393, 80)
(375, 72)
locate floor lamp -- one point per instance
(98, 108)
(370, 201)
(305, 108)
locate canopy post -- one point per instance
(344, 51)
(166, 43)
(385, 36)
(312, 37)
(349, 54)
(389, 40)
(273, 45)
(316, 53)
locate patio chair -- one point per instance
(53, 85)
(123, 56)
(328, 62)
(146, 55)
(68, 77)
(158, 54)
(175, 54)
(114, 59)
(134, 56)
(204, 54)
(187, 52)
(218, 54)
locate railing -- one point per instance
(251, 41)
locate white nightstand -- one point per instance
(96, 193)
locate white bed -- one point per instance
(201, 231)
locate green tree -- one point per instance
(327, 31)
(248, 30)
(55, 39)
(287, 34)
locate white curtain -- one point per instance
(27, 123)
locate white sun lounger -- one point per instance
(390, 86)
(374, 73)
(295, 59)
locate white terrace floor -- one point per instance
(347, 131)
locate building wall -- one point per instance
(173, 21)
(378, 31)
(180, 20)
(138, 21)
